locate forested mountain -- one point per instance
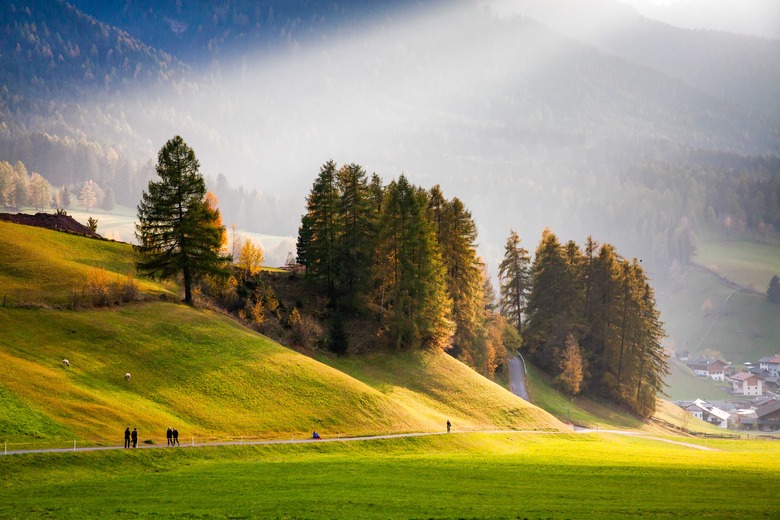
(739, 69)
(528, 126)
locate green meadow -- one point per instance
(444, 476)
(215, 380)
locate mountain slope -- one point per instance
(742, 70)
(207, 375)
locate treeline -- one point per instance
(403, 255)
(18, 188)
(67, 165)
(587, 317)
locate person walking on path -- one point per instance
(127, 437)
(448, 426)
(169, 436)
(134, 437)
(175, 441)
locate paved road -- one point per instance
(364, 438)
(517, 378)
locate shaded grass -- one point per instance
(579, 410)
(448, 476)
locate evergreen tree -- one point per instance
(409, 270)
(551, 303)
(322, 207)
(773, 291)
(457, 234)
(302, 244)
(514, 280)
(178, 232)
(355, 236)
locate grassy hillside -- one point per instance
(747, 262)
(703, 315)
(199, 370)
(517, 475)
(40, 266)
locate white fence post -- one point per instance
(74, 444)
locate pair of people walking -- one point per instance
(173, 436)
(131, 437)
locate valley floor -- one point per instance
(498, 475)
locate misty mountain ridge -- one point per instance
(531, 128)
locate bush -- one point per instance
(98, 287)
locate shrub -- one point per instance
(98, 287)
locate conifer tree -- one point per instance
(88, 195)
(773, 291)
(409, 270)
(551, 303)
(570, 366)
(322, 207)
(39, 192)
(457, 235)
(514, 280)
(355, 235)
(250, 258)
(178, 232)
(302, 244)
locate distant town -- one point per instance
(756, 403)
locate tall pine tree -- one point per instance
(514, 280)
(177, 231)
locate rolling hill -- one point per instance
(198, 370)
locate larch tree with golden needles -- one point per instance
(250, 258)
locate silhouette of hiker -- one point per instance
(448, 426)
(169, 436)
(175, 440)
(127, 437)
(134, 437)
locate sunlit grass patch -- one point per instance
(444, 476)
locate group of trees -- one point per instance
(407, 257)
(587, 317)
(18, 189)
(404, 253)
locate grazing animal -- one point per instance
(127, 376)
(65, 363)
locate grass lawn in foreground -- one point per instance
(446, 476)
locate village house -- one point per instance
(770, 364)
(745, 383)
(707, 412)
(770, 381)
(767, 417)
(709, 367)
